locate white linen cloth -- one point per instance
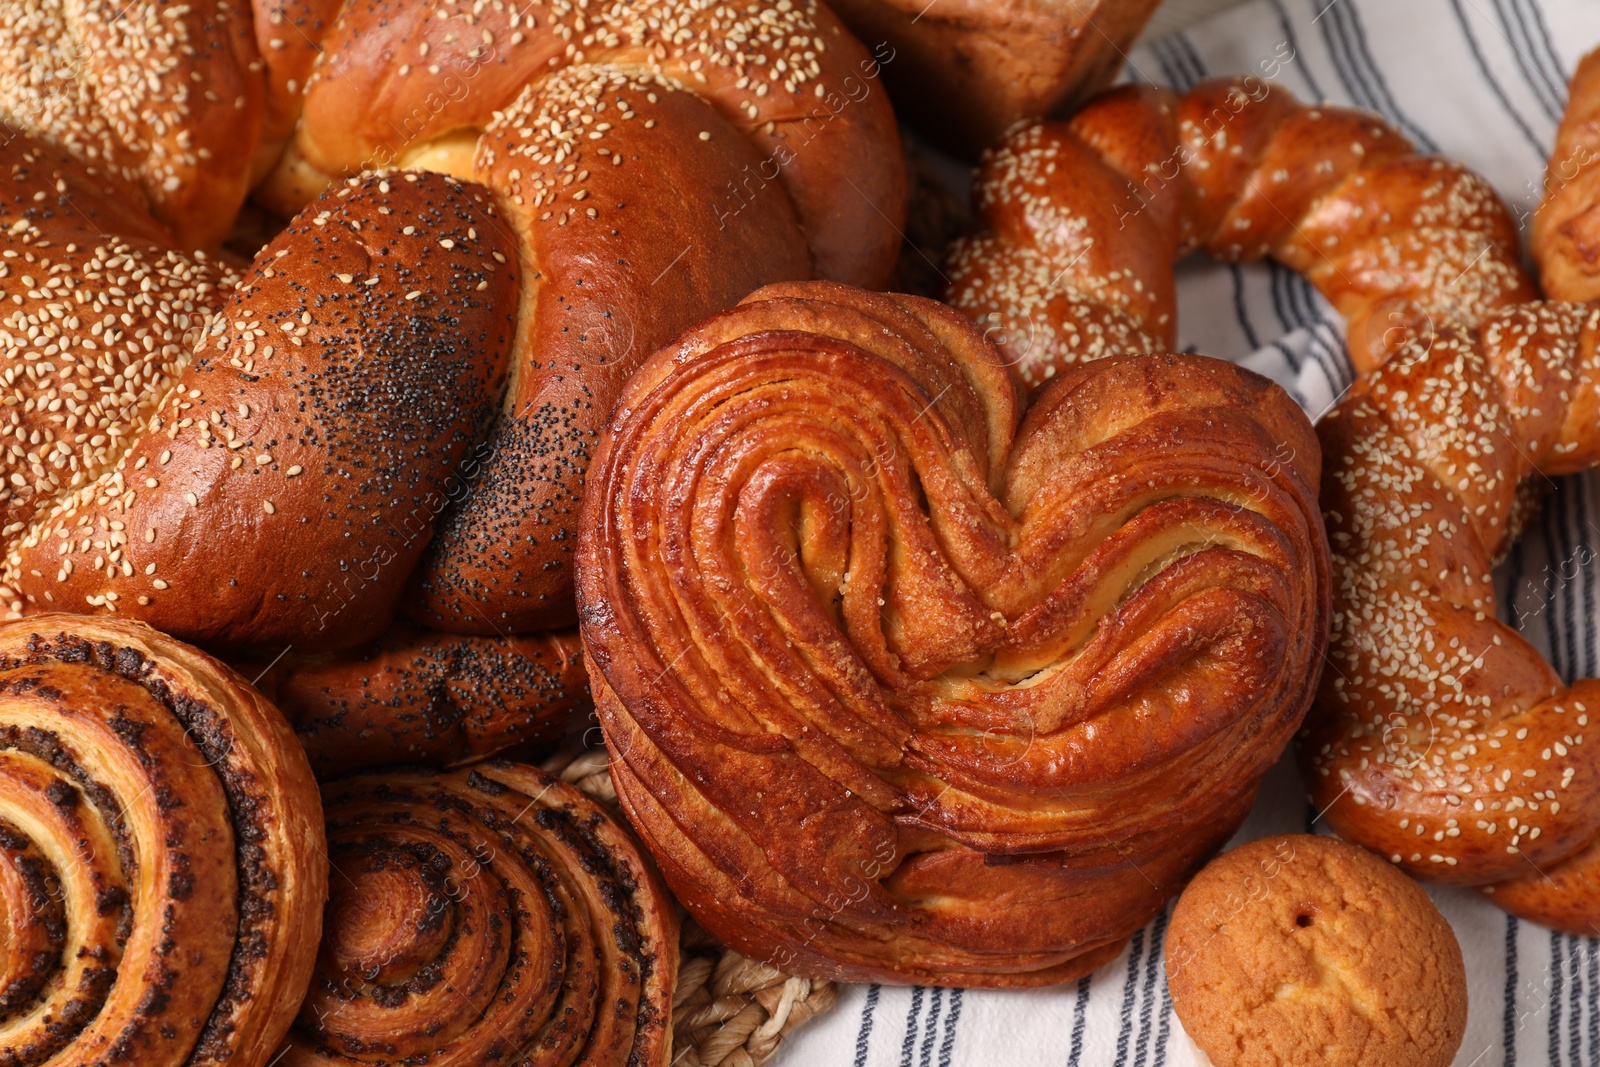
(1482, 81)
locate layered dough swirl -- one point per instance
(162, 866)
(905, 680)
(495, 915)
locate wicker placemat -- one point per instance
(729, 1010)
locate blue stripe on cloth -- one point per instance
(948, 1045)
(1165, 1030)
(1353, 62)
(1300, 65)
(1555, 999)
(1080, 1011)
(868, 1011)
(1545, 49)
(1539, 66)
(1508, 1052)
(1129, 992)
(1241, 313)
(1495, 87)
(1575, 1016)
(908, 1046)
(1191, 59)
(1152, 971)
(1564, 647)
(1584, 485)
(1170, 74)
(930, 1026)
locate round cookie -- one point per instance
(1308, 950)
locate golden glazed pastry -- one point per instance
(392, 410)
(162, 861)
(1566, 228)
(907, 680)
(490, 915)
(1083, 221)
(1441, 739)
(965, 70)
(416, 696)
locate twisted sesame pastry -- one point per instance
(307, 433)
(645, 164)
(1083, 221)
(420, 697)
(1441, 739)
(905, 680)
(162, 860)
(1565, 244)
(167, 99)
(99, 314)
(487, 915)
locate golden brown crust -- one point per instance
(1084, 220)
(168, 99)
(966, 70)
(1305, 951)
(420, 697)
(160, 824)
(591, 126)
(1566, 229)
(872, 658)
(1441, 739)
(81, 248)
(602, 302)
(493, 913)
(790, 79)
(1564, 896)
(316, 432)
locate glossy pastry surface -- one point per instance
(907, 680)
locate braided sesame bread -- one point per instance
(392, 410)
(1082, 222)
(1441, 739)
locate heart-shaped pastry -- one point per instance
(906, 679)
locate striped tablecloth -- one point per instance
(1483, 81)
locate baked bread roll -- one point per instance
(906, 680)
(1083, 221)
(965, 70)
(283, 487)
(162, 860)
(1566, 229)
(419, 697)
(1441, 739)
(456, 344)
(494, 914)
